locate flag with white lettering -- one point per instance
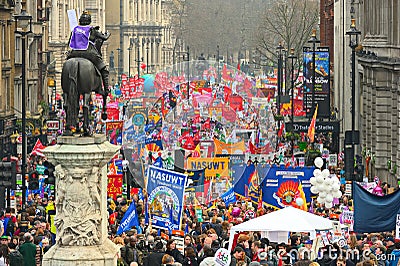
(165, 202)
(129, 220)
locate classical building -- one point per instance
(141, 36)
(7, 70)
(344, 11)
(379, 86)
(11, 69)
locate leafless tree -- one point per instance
(289, 22)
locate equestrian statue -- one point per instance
(84, 71)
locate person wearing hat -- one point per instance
(155, 257)
(389, 244)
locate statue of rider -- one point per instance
(86, 42)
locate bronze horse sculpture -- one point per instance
(80, 77)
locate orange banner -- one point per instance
(224, 148)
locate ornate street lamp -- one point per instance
(353, 33)
(129, 59)
(292, 57)
(314, 41)
(23, 27)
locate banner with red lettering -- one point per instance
(114, 186)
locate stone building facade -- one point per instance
(11, 68)
(379, 76)
(140, 35)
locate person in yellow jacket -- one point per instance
(51, 213)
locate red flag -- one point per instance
(311, 128)
(238, 66)
(38, 149)
(280, 132)
(269, 97)
(225, 75)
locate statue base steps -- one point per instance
(102, 255)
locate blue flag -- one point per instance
(374, 213)
(229, 197)
(129, 220)
(242, 185)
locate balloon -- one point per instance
(320, 200)
(327, 181)
(317, 172)
(329, 198)
(337, 194)
(314, 190)
(320, 179)
(335, 187)
(299, 202)
(321, 187)
(313, 181)
(318, 162)
(326, 172)
(328, 205)
(322, 194)
(142, 65)
(236, 212)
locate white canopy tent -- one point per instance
(278, 224)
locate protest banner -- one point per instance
(165, 203)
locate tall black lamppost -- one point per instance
(119, 63)
(218, 74)
(188, 71)
(353, 34)
(292, 57)
(314, 41)
(279, 49)
(147, 56)
(23, 26)
(129, 60)
(136, 41)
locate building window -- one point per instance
(18, 52)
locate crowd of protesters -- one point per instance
(27, 233)
(144, 245)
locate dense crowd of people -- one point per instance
(144, 245)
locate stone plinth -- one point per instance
(81, 202)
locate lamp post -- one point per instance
(23, 26)
(314, 41)
(125, 164)
(147, 56)
(353, 34)
(279, 49)
(129, 60)
(136, 41)
(292, 58)
(188, 71)
(218, 74)
(119, 63)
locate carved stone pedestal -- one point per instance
(81, 202)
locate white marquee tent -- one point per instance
(278, 224)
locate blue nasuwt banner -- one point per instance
(287, 186)
(165, 202)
